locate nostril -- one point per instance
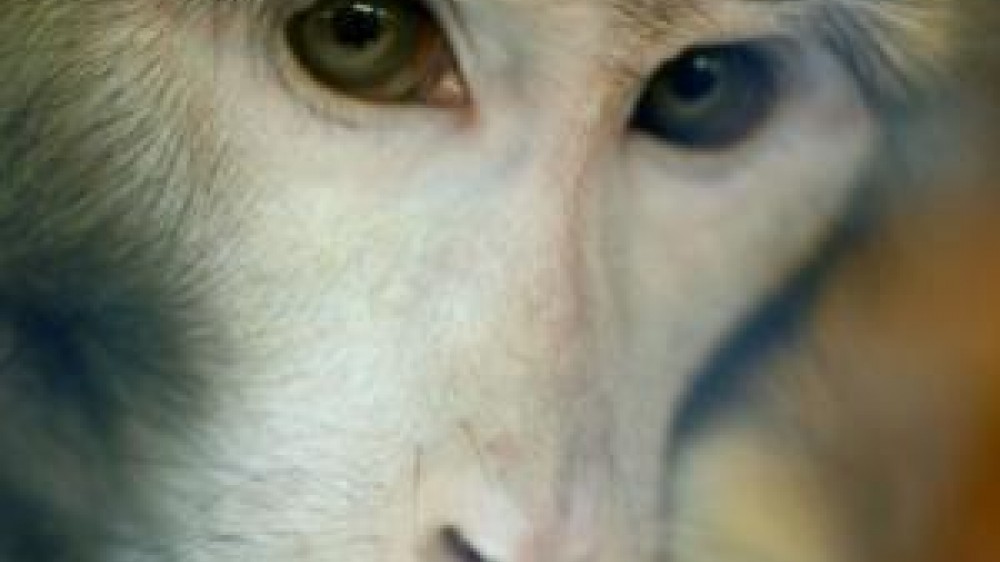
(459, 548)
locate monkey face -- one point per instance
(388, 280)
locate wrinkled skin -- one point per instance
(246, 317)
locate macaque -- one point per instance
(440, 281)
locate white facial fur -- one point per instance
(482, 321)
(479, 318)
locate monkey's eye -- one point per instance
(710, 97)
(379, 50)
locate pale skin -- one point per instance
(411, 333)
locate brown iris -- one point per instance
(381, 50)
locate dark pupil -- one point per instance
(696, 78)
(357, 25)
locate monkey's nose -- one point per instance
(489, 530)
(505, 535)
(456, 546)
(501, 506)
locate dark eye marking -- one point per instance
(781, 320)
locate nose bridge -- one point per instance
(557, 300)
(557, 139)
(548, 242)
(560, 279)
(527, 474)
(532, 476)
